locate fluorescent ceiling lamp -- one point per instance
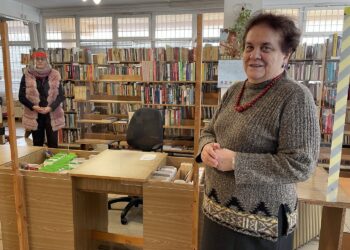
(97, 1)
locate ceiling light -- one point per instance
(84, 0)
(97, 1)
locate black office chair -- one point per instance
(145, 132)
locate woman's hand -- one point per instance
(226, 159)
(45, 110)
(209, 156)
(37, 108)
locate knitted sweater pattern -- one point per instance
(277, 144)
(29, 119)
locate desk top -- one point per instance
(314, 190)
(5, 152)
(124, 165)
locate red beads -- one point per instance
(240, 108)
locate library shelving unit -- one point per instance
(101, 95)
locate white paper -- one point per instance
(230, 72)
(147, 157)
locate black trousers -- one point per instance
(218, 237)
(44, 125)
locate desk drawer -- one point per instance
(108, 186)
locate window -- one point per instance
(96, 46)
(292, 13)
(60, 32)
(212, 23)
(133, 27)
(321, 23)
(96, 28)
(173, 26)
(19, 42)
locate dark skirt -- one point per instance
(218, 237)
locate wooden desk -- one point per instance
(314, 191)
(112, 171)
(5, 152)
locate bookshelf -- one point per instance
(329, 90)
(101, 90)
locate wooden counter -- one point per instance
(313, 191)
(112, 171)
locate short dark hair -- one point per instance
(285, 26)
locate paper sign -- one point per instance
(230, 72)
(147, 157)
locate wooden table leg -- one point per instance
(346, 241)
(332, 227)
(90, 213)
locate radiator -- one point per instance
(309, 223)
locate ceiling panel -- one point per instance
(46, 4)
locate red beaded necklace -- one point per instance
(241, 108)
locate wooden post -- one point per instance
(17, 177)
(197, 130)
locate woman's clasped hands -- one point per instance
(214, 156)
(42, 110)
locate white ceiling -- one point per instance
(46, 4)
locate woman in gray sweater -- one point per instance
(262, 140)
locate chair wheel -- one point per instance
(124, 221)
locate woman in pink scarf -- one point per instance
(42, 95)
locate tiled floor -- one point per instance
(134, 226)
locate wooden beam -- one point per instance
(332, 227)
(197, 131)
(17, 178)
(117, 238)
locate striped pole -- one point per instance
(340, 111)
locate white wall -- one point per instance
(16, 10)
(190, 7)
(299, 3)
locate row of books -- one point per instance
(150, 71)
(84, 72)
(208, 112)
(327, 121)
(332, 69)
(176, 116)
(68, 88)
(178, 134)
(163, 71)
(80, 93)
(120, 108)
(327, 138)
(210, 53)
(69, 105)
(150, 54)
(119, 69)
(210, 71)
(179, 94)
(64, 55)
(71, 120)
(117, 88)
(309, 52)
(68, 136)
(305, 71)
(333, 46)
(329, 97)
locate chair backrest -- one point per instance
(145, 130)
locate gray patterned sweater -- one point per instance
(277, 144)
